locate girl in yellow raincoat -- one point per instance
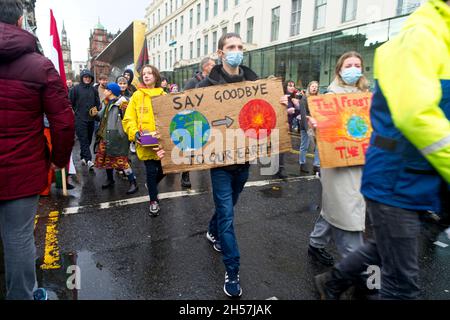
(140, 119)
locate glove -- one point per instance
(93, 112)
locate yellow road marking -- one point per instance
(36, 221)
(51, 258)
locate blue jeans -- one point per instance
(17, 232)
(304, 145)
(227, 186)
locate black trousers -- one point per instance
(85, 132)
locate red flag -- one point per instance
(56, 55)
(143, 58)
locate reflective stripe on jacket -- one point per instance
(409, 157)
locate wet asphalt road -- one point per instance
(123, 253)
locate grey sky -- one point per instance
(81, 16)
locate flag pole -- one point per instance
(64, 182)
(56, 57)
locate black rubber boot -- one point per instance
(109, 180)
(133, 188)
(108, 184)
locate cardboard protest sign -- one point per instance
(344, 128)
(222, 125)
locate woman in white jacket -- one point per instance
(343, 212)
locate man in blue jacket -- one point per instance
(228, 182)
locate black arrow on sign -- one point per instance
(222, 122)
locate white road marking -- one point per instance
(172, 195)
(273, 298)
(441, 244)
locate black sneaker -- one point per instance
(232, 286)
(304, 169)
(316, 170)
(321, 281)
(321, 255)
(214, 241)
(185, 180)
(281, 174)
(154, 208)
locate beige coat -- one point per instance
(343, 205)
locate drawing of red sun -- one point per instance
(257, 119)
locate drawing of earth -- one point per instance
(357, 127)
(190, 130)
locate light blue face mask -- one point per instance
(234, 58)
(351, 75)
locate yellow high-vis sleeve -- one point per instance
(410, 69)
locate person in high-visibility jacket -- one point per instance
(408, 162)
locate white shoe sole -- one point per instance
(212, 242)
(208, 236)
(229, 295)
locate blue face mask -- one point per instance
(351, 75)
(234, 58)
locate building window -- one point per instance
(320, 14)
(206, 45)
(159, 62)
(175, 54)
(171, 31)
(224, 31)
(181, 52)
(165, 34)
(199, 8)
(170, 60)
(295, 17)
(275, 24)
(191, 18)
(225, 5)
(349, 10)
(237, 28)
(165, 61)
(171, 6)
(154, 20)
(159, 15)
(214, 41)
(407, 6)
(181, 24)
(167, 10)
(176, 28)
(250, 22)
(159, 39)
(191, 50)
(206, 10)
(199, 47)
(216, 7)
